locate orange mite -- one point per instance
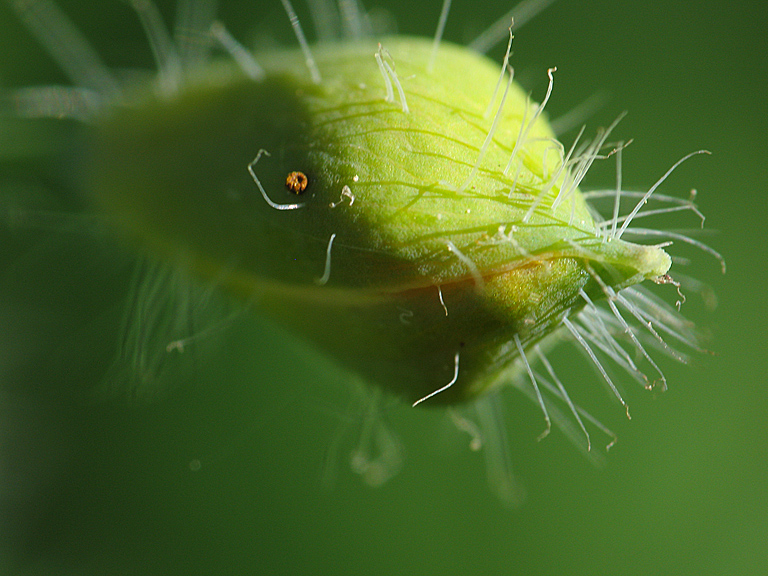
(296, 182)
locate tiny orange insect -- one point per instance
(296, 182)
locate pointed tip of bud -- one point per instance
(654, 262)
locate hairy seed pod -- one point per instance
(465, 239)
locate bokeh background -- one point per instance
(218, 463)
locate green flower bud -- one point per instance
(418, 221)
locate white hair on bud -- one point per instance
(314, 72)
(252, 172)
(443, 388)
(439, 34)
(243, 57)
(170, 71)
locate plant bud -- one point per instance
(420, 223)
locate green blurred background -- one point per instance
(221, 467)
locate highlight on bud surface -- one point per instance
(409, 211)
